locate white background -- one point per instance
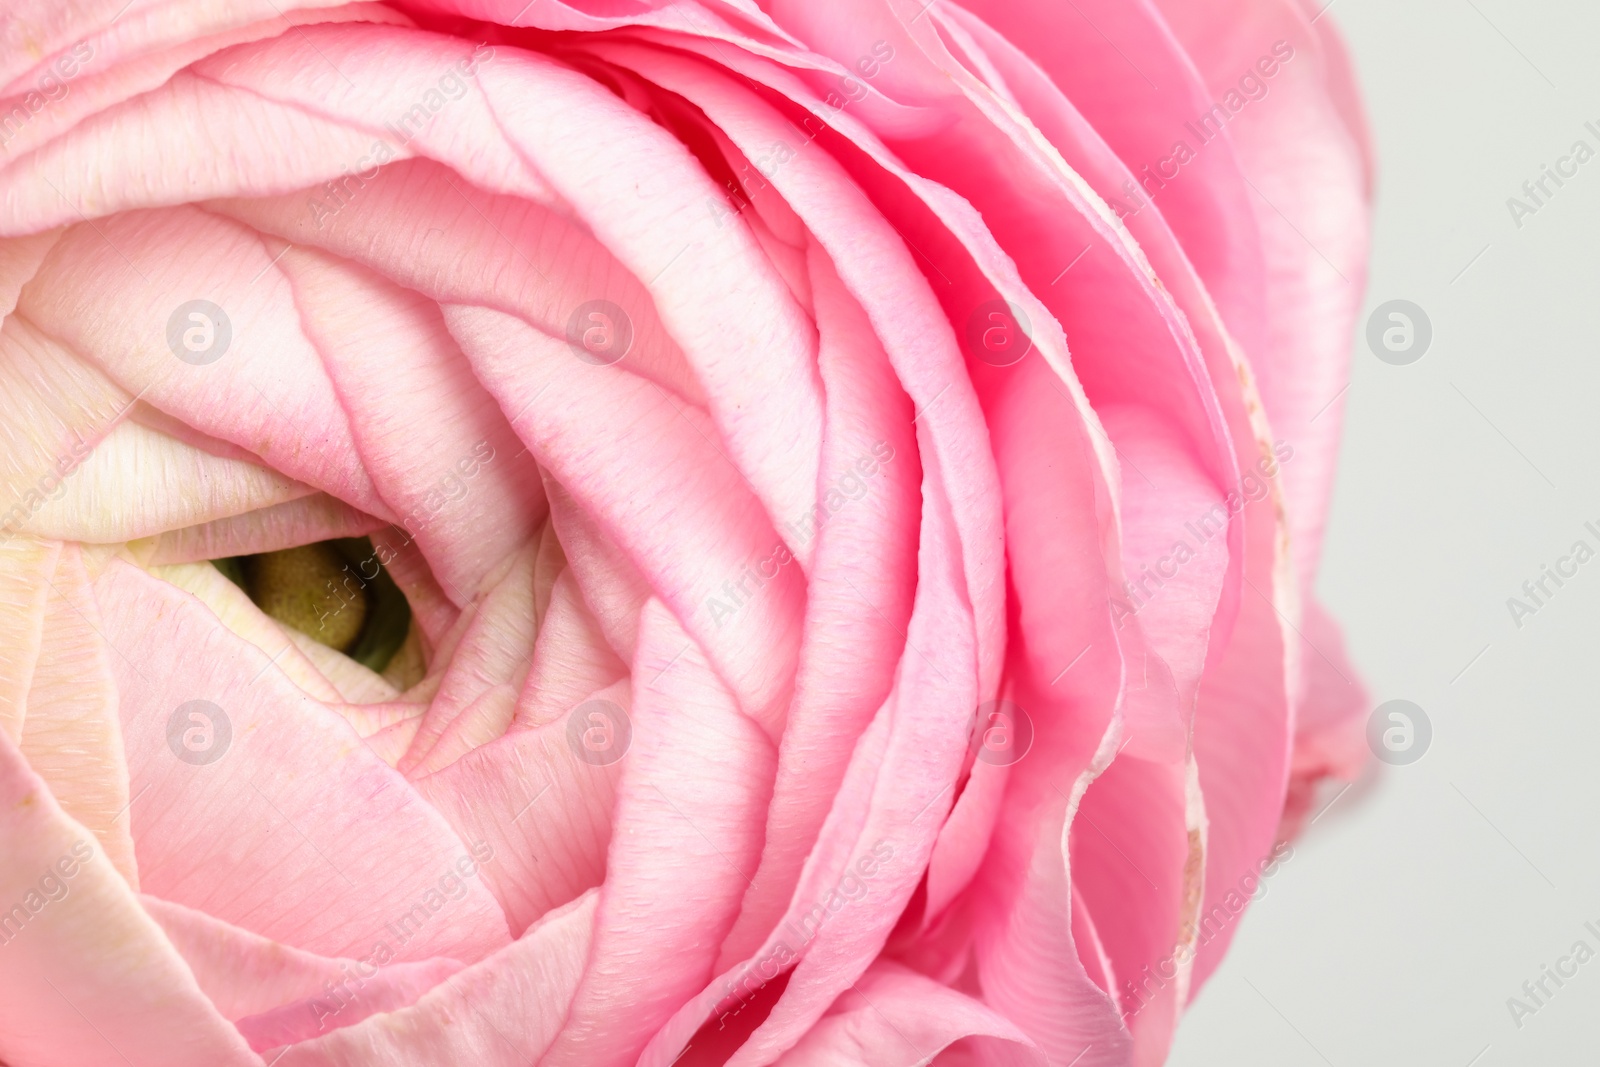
(1411, 913)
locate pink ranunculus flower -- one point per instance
(584, 533)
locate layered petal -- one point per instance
(854, 472)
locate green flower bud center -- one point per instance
(337, 593)
(310, 589)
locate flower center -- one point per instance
(310, 589)
(335, 592)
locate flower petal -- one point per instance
(86, 977)
(688, 831)
(72, 738)
(294, 830)
(500, 1012)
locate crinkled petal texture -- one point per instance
(856, 469)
